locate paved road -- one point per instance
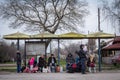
(60, 76)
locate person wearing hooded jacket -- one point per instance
(82, 56)
(31, 62)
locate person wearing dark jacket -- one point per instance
(82, 56)
(42, 63)
(18, 59)
(69, 60)
(52, 62)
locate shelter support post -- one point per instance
(45, 51)
(51, 46)
(99, 48)
(25, 54)
(58, 52)
(18, 44)
(99, 55)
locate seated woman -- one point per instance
(69, 60)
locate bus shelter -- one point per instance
(71, 35)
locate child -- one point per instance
(45, 69)
(91, 63)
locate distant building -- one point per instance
(112, 49)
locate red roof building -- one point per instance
(111, 50)
(115, 45)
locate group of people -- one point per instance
(42, 65)
(78, 64)
(82, 61)
(34, 66)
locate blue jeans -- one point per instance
(83, 66)
(67, 65)
(41, 69)
(18, 68)
(52, 68)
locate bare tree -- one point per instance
(44, 15)
(112, 11)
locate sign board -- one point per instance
(35, 47)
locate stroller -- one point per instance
(71, 68)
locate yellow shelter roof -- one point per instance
(44, 36)
(100, 35)
(71, 35)
(16, 35)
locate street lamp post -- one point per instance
(99, 48)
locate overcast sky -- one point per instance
(91, 23)
(92, 19)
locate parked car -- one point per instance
(116, 59)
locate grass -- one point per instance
(8, 69)
(62, 62)
(9, 63)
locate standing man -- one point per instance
(18, 56)
(82, 56)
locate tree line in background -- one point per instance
(8, 52)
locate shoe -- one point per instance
(84, 73)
